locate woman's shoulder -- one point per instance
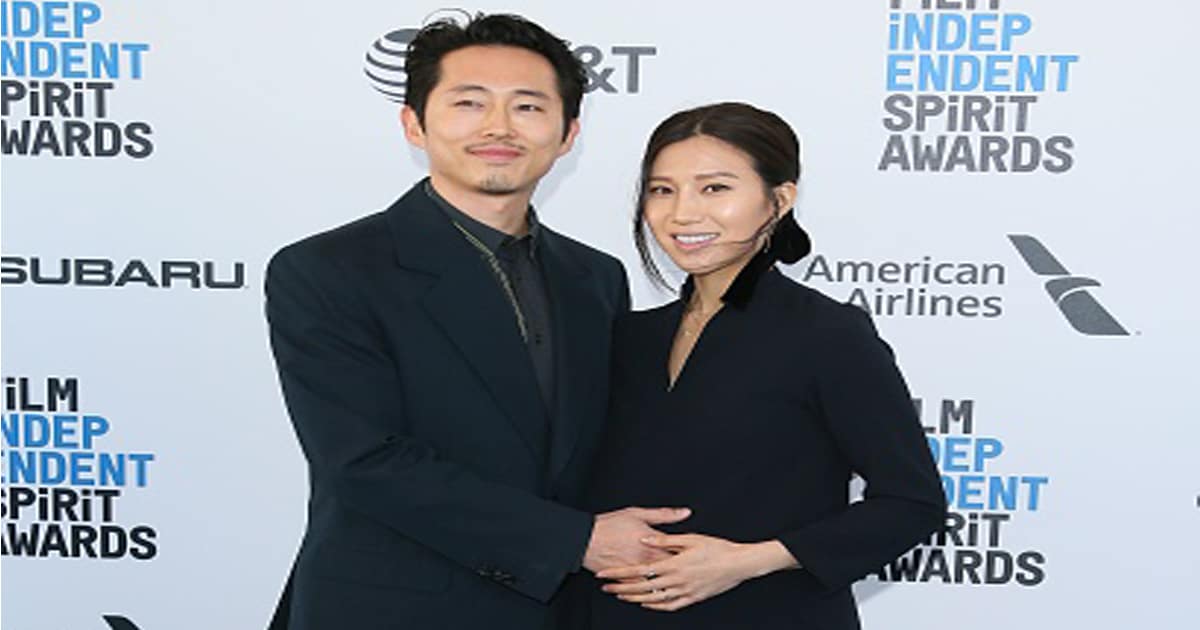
(818, 311)
(645, 321)
(821, 328)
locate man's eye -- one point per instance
(467, 103)
(530, 107)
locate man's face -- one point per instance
(494, 121)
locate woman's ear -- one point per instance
(785, 197)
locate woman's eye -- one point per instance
(659, 190)
(716, 188)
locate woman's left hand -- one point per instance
(702, 567)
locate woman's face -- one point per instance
(706, 205)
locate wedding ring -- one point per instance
(651, 575)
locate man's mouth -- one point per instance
(495, 152)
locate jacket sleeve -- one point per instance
(344, 395)
(870, 414)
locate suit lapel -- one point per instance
(581, 341)
(469, 306)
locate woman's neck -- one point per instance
(707, 288)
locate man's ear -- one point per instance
(569, 140)
(413, 130)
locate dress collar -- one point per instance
(741, 290)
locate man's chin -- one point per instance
(498, 186)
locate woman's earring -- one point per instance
(771, 232)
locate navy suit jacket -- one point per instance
(441, 486)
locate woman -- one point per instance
(751, 400)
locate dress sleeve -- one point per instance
(869, 412)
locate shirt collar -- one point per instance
(492, 238)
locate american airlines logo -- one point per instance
(1069, 292)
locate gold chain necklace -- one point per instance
(694, 320)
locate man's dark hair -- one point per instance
(767, 139)
(435, 40)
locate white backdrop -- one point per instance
(243, 126)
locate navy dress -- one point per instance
(785, 395)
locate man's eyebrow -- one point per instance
(533, 93)
(472, 87)
(467, 87)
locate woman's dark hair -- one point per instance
(770, 142)
(422, 62)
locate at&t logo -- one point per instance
(615, 70)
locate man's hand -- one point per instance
(616, 537)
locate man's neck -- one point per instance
(507, 213)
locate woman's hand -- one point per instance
(701, 567)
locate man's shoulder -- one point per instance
(602, 270)
(349, 243)
(583, 253)
(362, 241)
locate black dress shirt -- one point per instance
(519, 261)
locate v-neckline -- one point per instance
(673, 385)
(737, 296)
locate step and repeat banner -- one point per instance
(1008, 186)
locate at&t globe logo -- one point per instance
(384, 63)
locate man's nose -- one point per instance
(498, 123)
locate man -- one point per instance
(445, 362)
